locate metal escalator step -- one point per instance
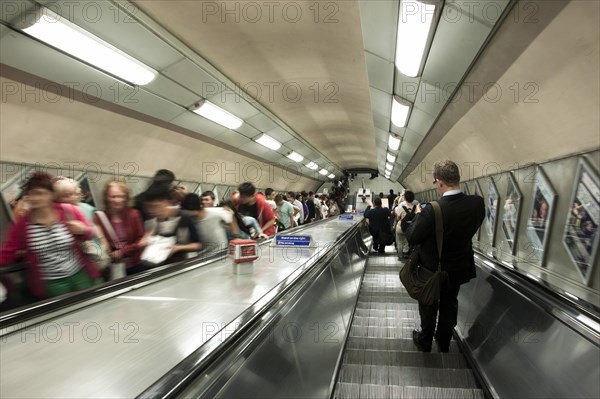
(405, 359)
(400, 314)
(397, 299)
(344, 390)
(383, 292)
(441, 393)
(397, 322)
(402, 345)
(403, 332)
(370, 391)
(387, 306)
(407, 376)
(384, 268)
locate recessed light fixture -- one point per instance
(294, 156)
(58, 32)
(413, 29)
(216, 114)
(394, 142)
(268, 142)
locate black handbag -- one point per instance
(423, 284)
(385, 237)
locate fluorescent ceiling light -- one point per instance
(331, 176)
(399, 113)
(394, 143)
(294, 156)
(56, 31)
(323, 172)
(269, 142)
(414, 25)
(390, 157)
(389, 166)
(218, 115)
(312, 165)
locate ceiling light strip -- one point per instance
(64, 35)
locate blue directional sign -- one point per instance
(292, 241)
(346, 217)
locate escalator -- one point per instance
(380, 359)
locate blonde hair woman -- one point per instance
(122, 226)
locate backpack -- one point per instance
(407, 219)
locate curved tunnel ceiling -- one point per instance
(318, 76)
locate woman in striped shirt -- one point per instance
(49, 237)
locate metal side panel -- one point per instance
(299, 357)
(520, 348)
(120, 346)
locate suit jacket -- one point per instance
(461, 215)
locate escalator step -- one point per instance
(403, 332)
(388, 306)
(401, 345)
(407, 376)
(405, 359)
(401, 314)
(398, 322)
(370, 391)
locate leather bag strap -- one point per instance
(439, 231)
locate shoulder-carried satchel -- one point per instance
(117, 269)
(420, 283)
(91, 249)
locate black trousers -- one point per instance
(445, 311)
(376, 245)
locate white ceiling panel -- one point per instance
(378, 19)
(381, 102)
(166, 88)
(262, 123)
(248, 131)
(381, 73)
(453, 49)
(195, 79)
(407, 146)
(431, 99)
(413, 139)
(420, 121)
(233, 138)
(145, 102)
(280, 135)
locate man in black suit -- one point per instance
(379, 219)
(461, 215)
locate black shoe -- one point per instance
(443, 348)
(421, 347)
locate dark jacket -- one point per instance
(462, 215)
(379, 219)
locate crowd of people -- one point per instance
(68, 245)
(388, 220)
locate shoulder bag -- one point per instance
(420, 283)
(117, 269)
